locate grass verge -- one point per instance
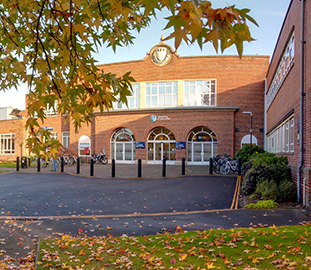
(7, 164)
(245, 248)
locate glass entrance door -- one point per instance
(124, 152)
(201, 153)
(162, 150)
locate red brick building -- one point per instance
(288, 95)
(181, 107)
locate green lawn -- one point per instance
(7, 164)
(253, 248)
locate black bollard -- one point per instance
(78, 165)
(211, 166)
(92, 167)
(164, 167)
(139, 169)
(113, 168)
(38, 164)
(62, 161)
(183, 166)
(239, 166)
(17, 164)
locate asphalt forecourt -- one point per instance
(62, 195)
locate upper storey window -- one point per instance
(200, 93)
(161, 94)
(287, 61)
(132, 101)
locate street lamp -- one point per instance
(251, 130)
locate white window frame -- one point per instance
(54, 135)
(281, 139)
(158, 95)
(66, 139)
(284, 66)
(133, 101)
(7, 144)
(196, 91)
(291, 135)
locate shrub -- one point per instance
(287, 190)
(268, 190)
(265, 166)
(245, 152)
(262, 205)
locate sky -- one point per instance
(269, 15)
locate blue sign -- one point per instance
(48, 128)
(180, 145)
(140, 145)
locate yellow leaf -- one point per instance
(255, 260)
(183, 257)
(210, 265)
(82, 252)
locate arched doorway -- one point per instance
(161, 144)
(123, 146)
(84, 147)
(202, 145)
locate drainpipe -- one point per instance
(301, 135)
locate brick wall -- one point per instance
(288, 97)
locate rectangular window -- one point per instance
(284, 66)
(65, 139)
(7, 144)
(281, 139)
(291, 135)
(161, 94)
(54, 135)
(51, 111)
(133, 101)
(286, 137)
(200, 93)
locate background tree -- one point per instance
(48, 44)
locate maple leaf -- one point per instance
(82, 252)
(210, 265)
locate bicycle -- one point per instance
(218, 161)
(34, 162)
(228, 166)
(67, 160)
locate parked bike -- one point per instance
(223, 164)
(101, 158)
(228, 166)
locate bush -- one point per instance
(245, 152)
(268, 190)
(265, 166)
(262, 205)
(287, 190)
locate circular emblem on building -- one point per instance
(161, 54)
(153, 118)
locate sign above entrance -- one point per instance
(140, 145)
(154, 118)
(180, 145)
(48, 128)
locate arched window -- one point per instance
(202, 145)
(247, 140)
(84, 147)
(161, 144)
(123, 146)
